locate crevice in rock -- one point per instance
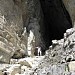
(56, 20)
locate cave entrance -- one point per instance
(56, 20)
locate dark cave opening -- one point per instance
(56, 20)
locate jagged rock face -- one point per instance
(11, 15)
(70, 6)
(11, 27)
(15, 17)
(60, 58)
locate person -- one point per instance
(39, 52)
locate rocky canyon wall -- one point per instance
(17, 18)
(11, 27)
(21, 20)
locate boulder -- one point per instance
(19, 54)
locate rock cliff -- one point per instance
(17, 18)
